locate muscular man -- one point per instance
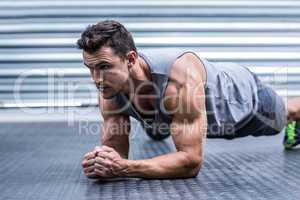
(170, 92)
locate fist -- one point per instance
(95, 166)
(88, 164)
(110, 162)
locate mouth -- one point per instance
(102, 88)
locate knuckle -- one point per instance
(88, 154)
(97, 165)
(98, 162)
(97, 173)
(108, 163)
(97, 159)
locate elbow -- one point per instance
(193, 166)
(193, 172)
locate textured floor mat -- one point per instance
(42, 161)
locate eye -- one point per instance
(103, 66)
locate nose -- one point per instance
(98, 77)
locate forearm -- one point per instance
(115, 134)
(172, 165)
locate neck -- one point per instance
(140, 76)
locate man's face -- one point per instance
(108, 70)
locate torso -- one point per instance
(229, 99)
(144, 105)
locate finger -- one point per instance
(107, 148)
(99, 160)
(99, 172)
(104, 154)
(90, 155)
(92, 175)
(103, 149)
(103, 164)
(89, 169)
(103, 169)
(99, 150)
(87, 163)
(111, 151)
(103, 173)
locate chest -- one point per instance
(145, 105)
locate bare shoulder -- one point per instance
(187, 67)
(186, 83)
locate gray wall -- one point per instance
(40, 66)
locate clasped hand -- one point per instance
(104, 162)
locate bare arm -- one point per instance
(188, 132)
(116, 127)
(184, 163)
(114, 134)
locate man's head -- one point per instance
(109, 52)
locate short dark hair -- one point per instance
(107, 33)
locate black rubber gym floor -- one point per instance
(43, 161)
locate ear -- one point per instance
(131, 57)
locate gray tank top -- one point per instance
(230, 90)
